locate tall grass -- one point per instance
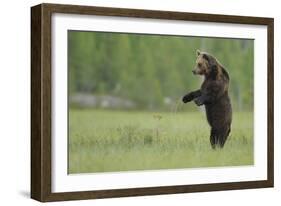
(104, 141)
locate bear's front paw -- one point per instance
(199, 101)
(187, 98)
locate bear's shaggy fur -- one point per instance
(214, 95)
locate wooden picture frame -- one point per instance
(41, 97)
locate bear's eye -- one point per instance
(199, 64)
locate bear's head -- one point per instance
(206, 65)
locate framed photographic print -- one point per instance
(128, 102)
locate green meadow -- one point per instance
(111, 140)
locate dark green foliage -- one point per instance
(152, 69)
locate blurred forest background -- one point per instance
(151, 72)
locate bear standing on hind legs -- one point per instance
(214, 95)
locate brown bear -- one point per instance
(214, 95)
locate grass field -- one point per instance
(106, 141)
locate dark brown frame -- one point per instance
(41, 101)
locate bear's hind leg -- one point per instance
(214, 138)
(223, 136)
(218, 137)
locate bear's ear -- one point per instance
(205, 56)
(198, 52)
